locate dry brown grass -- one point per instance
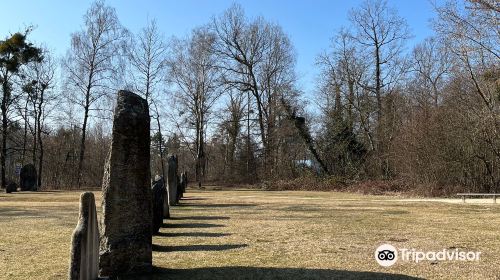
(251, 234)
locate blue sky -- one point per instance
(310, 24)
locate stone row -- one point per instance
(133, 209)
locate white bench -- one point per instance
(494, 195)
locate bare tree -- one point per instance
(382, 33)
(193, 72)
(471, 34)
(485, 5)
(256, 57)
(91, 64)
(232, 125)
(345, 72)
(40, 82)
(148, 60)
(431, 64)
(346, 106)
(473, 37)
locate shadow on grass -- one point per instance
(192, 234)
(39, 192)
(16, 212)
(238, 272)
(192, 198)
(194, 248)
(230, 189)
(302, 208)
(396, 212)
(191, 225)
(40, 211)
(221, 205)
(200, 218)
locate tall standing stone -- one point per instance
(84, 264)
(172, 180)
(27, 178)
(186, 181)
(179, 187)
(126, 246)
(182, 185)
(166, 208)
(158, 197)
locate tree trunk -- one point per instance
(40, 141)
(200, 153)
(4, 143)
(6, 97)
(255, 92)
(248, 138)
(82, 145)
(378, 85)
(350, 114)
(384, 164)
(25, 135)
(35, 142)
(304, 133)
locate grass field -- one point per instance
(252, 234)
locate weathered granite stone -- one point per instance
(172, 180)
(126, 246)
(11, 187)
(166, 208)
(185, 182)
(158, 193)
(84, 264)
(182, 185)
(27, 178)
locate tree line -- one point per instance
(226, 100)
